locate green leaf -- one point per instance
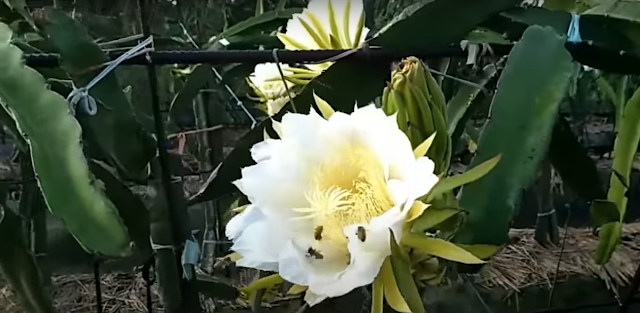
(266, 21)
(401, 267)
(572, 162)
(431, 217)
(486, 36)
(483, 252)
(458, 104)
(182, 103)
(602, 31)
(623, 10)
(134, 213)
(439, 22)
(604, 212)
(449, 183)
(608, 239)
(54, 141)
(560, 5)
(281, 5)
(439, 12)
(263, 283)
(523, 112)
(114, 133)
(440, 248)
(18, 265)
(20, 6)
(215, 288)
(620, 178)
(624, 151)
(377, 296)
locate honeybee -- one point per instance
(361, 233)
(318, 233)
(315, 253)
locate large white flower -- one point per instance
(324, 197)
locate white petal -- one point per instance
(399, 190)
(266, 71)
(320, 8)
(296, 31)
(301, 128)
(281, 177)
(274, 106)
(257, 263)
(292, 265)
(312, 298)
(239, 222)
(422, 178)
(264, 150)
(272, 184)
(356, 11)
(256, 239)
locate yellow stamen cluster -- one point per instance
(348, 189)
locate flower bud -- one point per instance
(416, 98)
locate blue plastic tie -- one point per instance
(190, 257)
(81, 95)
(573, 33)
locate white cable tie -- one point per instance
(81, 95)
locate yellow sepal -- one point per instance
(422, 149)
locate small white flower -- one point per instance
(268, 85)
(272, 89)
(326, 24)
(324, 197)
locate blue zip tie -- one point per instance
(573, 33)
(81, 95)
(190, 257)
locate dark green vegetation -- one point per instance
(92, 187)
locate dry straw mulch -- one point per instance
(521, 264)
(121, 292)
(526, 263)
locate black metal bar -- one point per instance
(152, 76)
(163, 155)
(146, 275)
(262, 56)
(96, 279)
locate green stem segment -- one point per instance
(624, 151)
(53, 135)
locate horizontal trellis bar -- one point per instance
(263, 56)
(613, 61)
